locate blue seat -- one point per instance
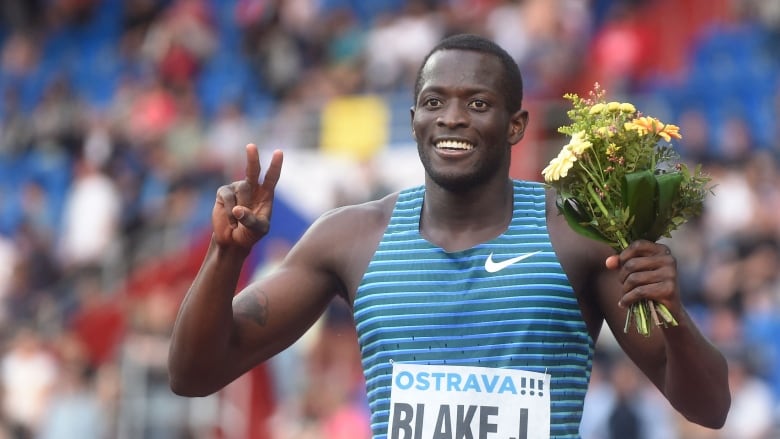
(225, 77)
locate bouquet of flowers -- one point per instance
(618, 180)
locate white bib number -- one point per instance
(457, 402)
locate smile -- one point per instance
(454, 145)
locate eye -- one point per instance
(432, 103)
(479, 104)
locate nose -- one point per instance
(452, 115)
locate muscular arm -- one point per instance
(679, 360)
(217, 337)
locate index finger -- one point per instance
(252, 165)
(643, 247)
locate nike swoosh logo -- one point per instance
(492, 267)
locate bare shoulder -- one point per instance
(374, 213)
(343, 240)
(352, 225)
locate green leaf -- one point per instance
(639, 189)
(668, 188)
(578, 221)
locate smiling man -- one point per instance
(477, 308)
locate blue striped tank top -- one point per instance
(420, 304)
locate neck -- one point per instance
(460, 220)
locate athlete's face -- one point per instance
(463, 129)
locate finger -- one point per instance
(643, 248)
(658, 291)
(258, 226)
(645, 269)
(226, 198)
(252, 165)
(639, 278)
(244, 191)
(641, 255)
(644, 263)
(274, 171)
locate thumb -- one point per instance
(613, 262)
(248, 220)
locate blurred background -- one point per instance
(120, 118)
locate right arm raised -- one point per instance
(216, 336)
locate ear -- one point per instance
(517, 124)
(411, 119)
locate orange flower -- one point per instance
(670, 131)
(644, 125)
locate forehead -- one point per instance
(462, 69)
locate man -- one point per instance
(465, 291)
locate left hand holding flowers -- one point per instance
(648, 272)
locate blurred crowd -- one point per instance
(120, 118)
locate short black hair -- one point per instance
(512, 81)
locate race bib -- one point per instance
(458, 402)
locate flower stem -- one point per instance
(666, 314)
(621, 240)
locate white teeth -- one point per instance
(452, 144)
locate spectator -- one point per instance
(180, 41)
(90, 220)
(752, 403)
(28, 373)
(75, 409)
(621, 405)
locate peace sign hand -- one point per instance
(242, 210)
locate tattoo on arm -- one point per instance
(253, 307)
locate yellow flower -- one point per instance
(559, 166)
(596, 109)
(627, 107)
(612, 149)
(578, 144)
(613, 106)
